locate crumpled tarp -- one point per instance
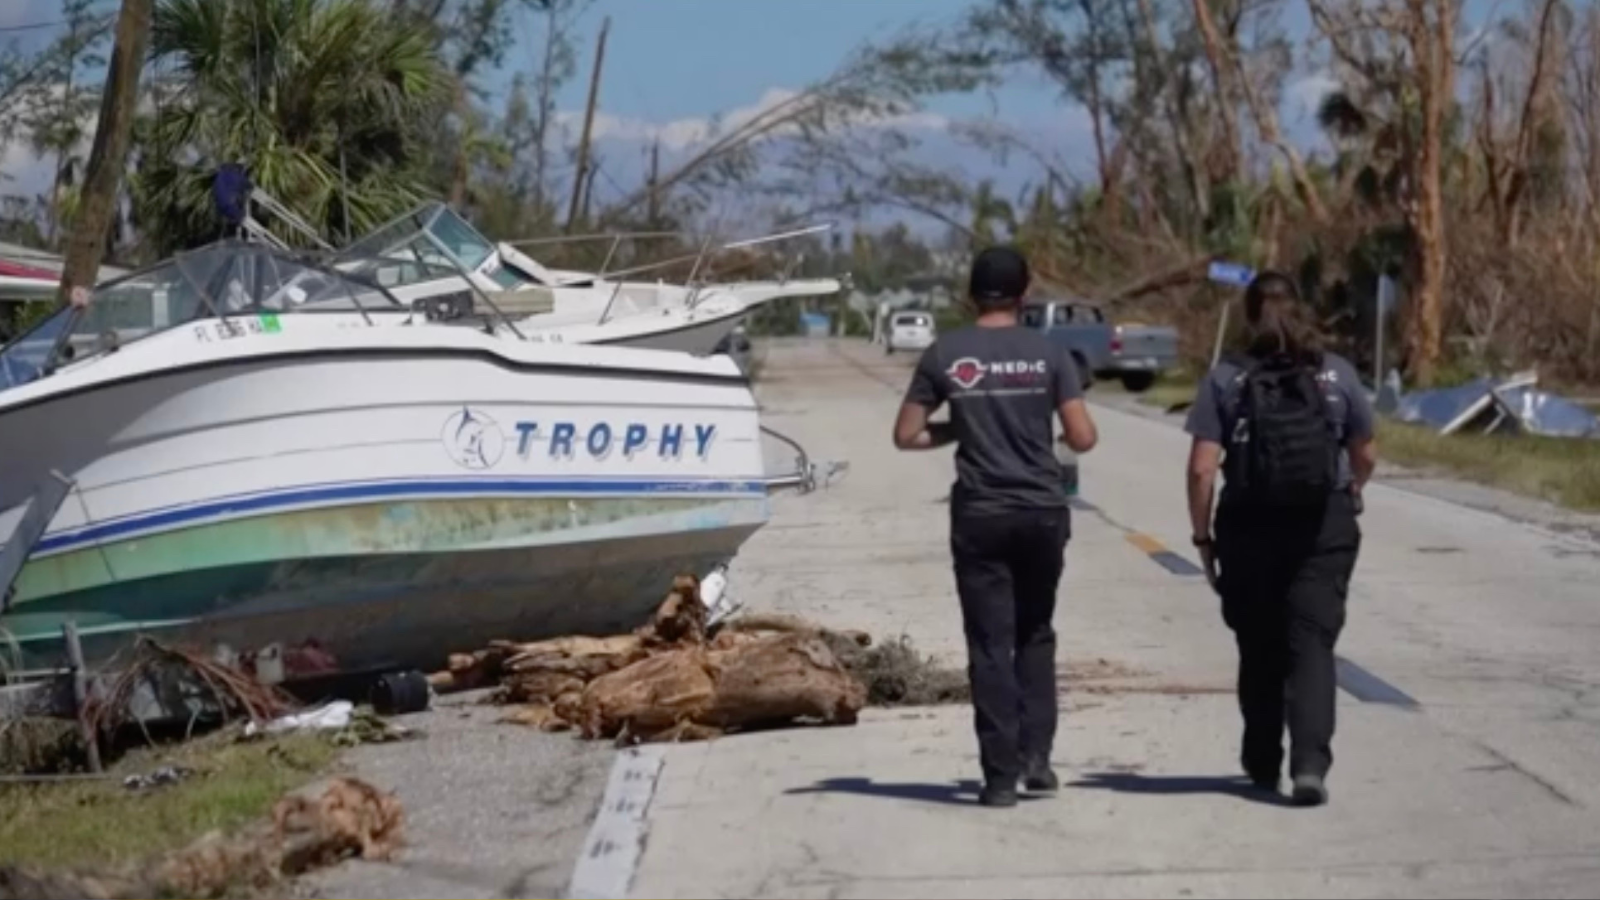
(1487, 405)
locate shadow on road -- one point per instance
(1130, 783)
(959, 793)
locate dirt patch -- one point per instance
(1102, 677)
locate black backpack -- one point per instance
(1283, 453)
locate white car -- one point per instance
(909, 331)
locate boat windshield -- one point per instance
(431, 233)
(229, 278)
(426, 244)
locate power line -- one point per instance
(10, 29)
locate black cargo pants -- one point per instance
(1284, 582)
(1007, 567)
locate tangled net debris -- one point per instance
(175, 669)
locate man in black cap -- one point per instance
(1009, 521)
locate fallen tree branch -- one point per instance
(348, 818)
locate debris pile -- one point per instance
(673, 679)
(173, 673)
(348, 818)
(1486, 405)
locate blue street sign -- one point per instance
(1236, 274)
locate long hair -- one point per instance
(1280, 323)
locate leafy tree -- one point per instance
(321, 101)
(59, 119)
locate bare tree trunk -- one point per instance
(1432, 41)
(1220, 59)
(109, 154)
(1228, 65)
(1199, 188)
(1097, 112)
(1534, 110)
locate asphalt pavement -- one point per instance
(1469, 729)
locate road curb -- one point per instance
(610, 856)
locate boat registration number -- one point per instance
(237, 326)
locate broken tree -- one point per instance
(669, 680)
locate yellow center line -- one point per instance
(1145, 542)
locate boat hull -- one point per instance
(379, 586)
(390, 506)
(700, 338)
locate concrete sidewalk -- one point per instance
(1484, 787)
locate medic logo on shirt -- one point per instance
(966, 372)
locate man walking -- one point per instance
(1009, 520)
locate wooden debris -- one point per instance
(649, 697)
(671, 680)
(792, 624)
(780, 678)
(541, 716)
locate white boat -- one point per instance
(251, 472)
(433, 256)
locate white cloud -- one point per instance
(26, 175)
(691, 132)
(1303, 96)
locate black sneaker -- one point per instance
(1309, 790)
(998, 796)
(1038, 776)
(1265, 781)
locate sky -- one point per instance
(671, 65)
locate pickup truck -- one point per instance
(1135, 354)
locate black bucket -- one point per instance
(398, 693)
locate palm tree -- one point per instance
(325, 102)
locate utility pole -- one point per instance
(580, 178)
(109, 154)
(655, 178)
(588, 192)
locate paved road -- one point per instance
(492, 810)
(1486, 786)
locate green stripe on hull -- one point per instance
(188, 573)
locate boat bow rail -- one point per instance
(808, 474)
(697, 282)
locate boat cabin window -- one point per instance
(229, 278)
(24, 359)
(461, 239)
(510, 278)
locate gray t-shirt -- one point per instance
(1215, 413)
(1004, 386)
